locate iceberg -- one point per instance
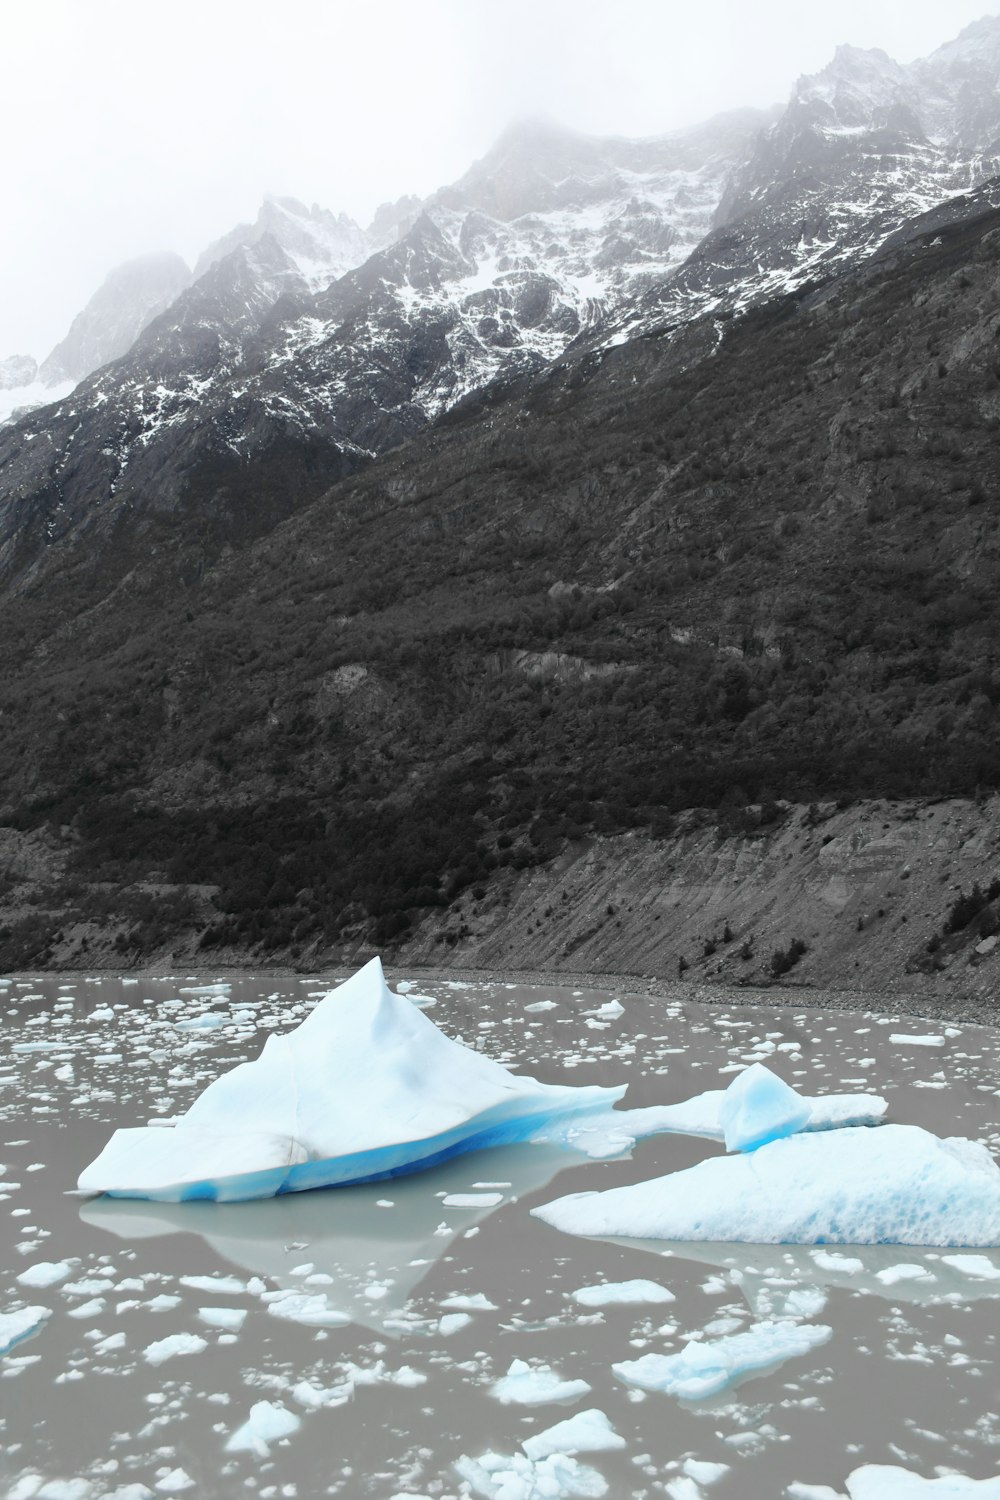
(23, 1323)
(888, 1482)
(758, 1107)
(896, 1185)
(761, 1106)
(367, 1087)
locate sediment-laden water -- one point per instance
(375, 1320)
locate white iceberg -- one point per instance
(266, 1424)
(706, 1367)
(365, 1088)
(758, 1107)
(895, 1185)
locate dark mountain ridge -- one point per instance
(750, 562)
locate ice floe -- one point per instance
(585, 1432)
(266, 1423)
(616, 1293)
(23, 1323)
(895, 1185)
(706, 1367)
(888, 1482)
(365, 1088)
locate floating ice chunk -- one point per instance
(498, 1476)
(707, 1366)
(887, 1482)
(896, 1185)
(453, 1322)
(266, 1423)
(210, 1021)
(527, 1385)
(175, 1483)
(229, 1318)
(585, 1432)
(540, 1005)
(365, 1088)
(610, 1011)
(312, 1310)
(225, 1286)
(974, 1265)
(903, 1039)
(45, 1273)
(476, 1303)
(612, 1293)
(19, 1325)
(472, 1200)
(174, 1344)
(889, 1275)
(703, 1472)
(759, 1107)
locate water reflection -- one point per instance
(367, 1248)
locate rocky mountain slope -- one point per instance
(332, 614)
(747, 564)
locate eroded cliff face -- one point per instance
(866, 888)
(871, 890)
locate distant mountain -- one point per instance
(127, 301)
(17, 370)
(251, 366)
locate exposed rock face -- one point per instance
(17, 370)
(131, 297)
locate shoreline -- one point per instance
(962, 1009)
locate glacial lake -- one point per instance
(169, 1323)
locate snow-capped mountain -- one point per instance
(17, 370)
(862, 146)
(494, 276)
(304, 345)
(126, 302)
(319, 245)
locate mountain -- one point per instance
(863, 146)
(125, 303)
(724, 569)
(619, 488)
(253, 392)
(320, 245)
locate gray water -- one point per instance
(909, 1376)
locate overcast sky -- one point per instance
(137, 125)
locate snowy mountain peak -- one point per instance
(320, 244)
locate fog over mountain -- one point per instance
(143, 130)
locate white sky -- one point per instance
(137, 125)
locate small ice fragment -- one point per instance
(173, 1345)
(229, 1318)
(903, 1039)
(266, 1423)
(610, 1293)
(476, 1303)
(540, 1005)
(175, 1482)
(974, 1265)
(889, 1275)
(585, 1432)
(526, 1385)
(312, 1311)
(224, 1286)
(453, 1323)
(499, 1476)
(707, 1366)
(45, 1273)
(473, 1200)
